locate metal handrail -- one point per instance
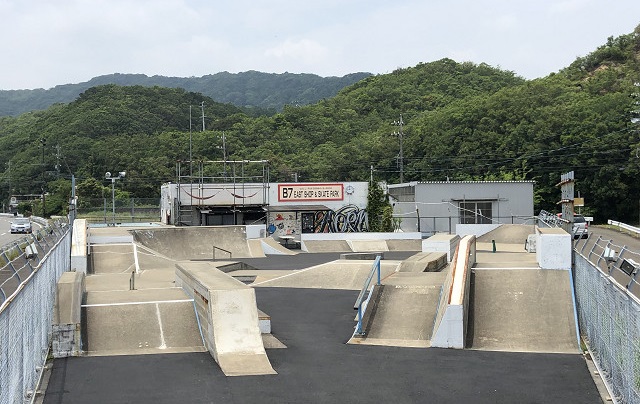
(360, 301)
(221, 249)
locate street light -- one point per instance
(108, 176)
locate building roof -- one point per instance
(414, 183)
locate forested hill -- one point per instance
(462, 121)
(256, 91)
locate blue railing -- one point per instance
(361, 301)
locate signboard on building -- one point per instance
(299, 192)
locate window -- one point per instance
(476, 212)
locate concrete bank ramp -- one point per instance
(228, 316)
(140, 322)
(523, 310)
(196, 243)
(509, 234)
(403, 311)
(111, 258)
(339, 274)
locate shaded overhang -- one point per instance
(295, 208)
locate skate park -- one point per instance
(161, 304)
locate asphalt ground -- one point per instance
(319, 367)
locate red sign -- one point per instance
(310, 192)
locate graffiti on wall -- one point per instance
(348, 219)
(284, 224)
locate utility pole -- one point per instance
(202, 107)
(190, 150)
(10, 191)
(44, 182)
(400, 135)
(636, 121)
(224, 154)
(57, 161)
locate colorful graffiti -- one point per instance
(348, 219)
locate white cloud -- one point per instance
(68, 41)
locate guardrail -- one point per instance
(624, 226)
(28, 288)
(362, 303)
(19, 259)
(607, 286)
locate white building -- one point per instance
(433, 207)
(284, 208)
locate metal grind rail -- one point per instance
(362, 302)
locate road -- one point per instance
(5, 230)
(618, 238)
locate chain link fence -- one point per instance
(109, 211)
(607, 290)
(30, 270)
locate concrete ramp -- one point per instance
(403, 312)
(339, 274)
(404, 245)
(140, 322)
(368, 245)
(270, 246)
(321, 246)
(508, 234)
(228, 317)
(111, 258)
(195, 243)
(523, 310)
(424, 262)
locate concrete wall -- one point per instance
(450, 330)
(79, 246)
(553, 248)
(66, 331)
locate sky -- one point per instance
(51, 42)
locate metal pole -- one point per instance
(113, 199)
(44, 183)
(202, 106)
(190, 147)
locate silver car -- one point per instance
(21, 225)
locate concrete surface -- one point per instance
(310, 300)
(403, 316)
(508, 234)
(318, 367)
(140, 322)
(340, 274)
(524, 310)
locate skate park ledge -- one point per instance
(228, 318)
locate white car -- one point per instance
(21, 225)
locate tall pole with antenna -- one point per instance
(400, 135)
